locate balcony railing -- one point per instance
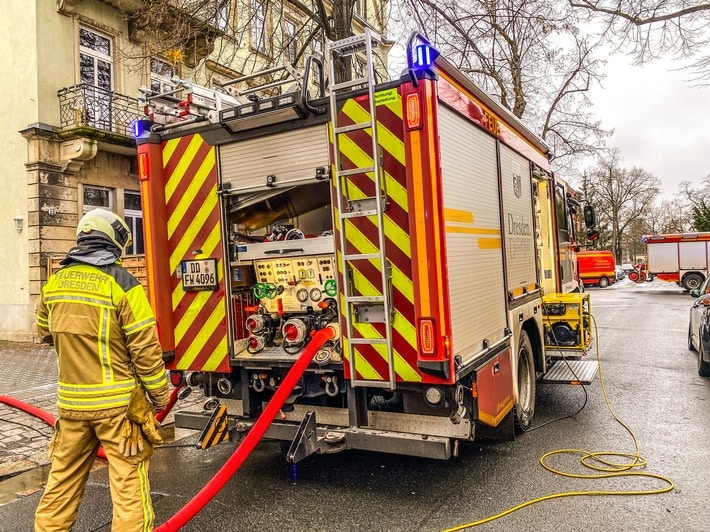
(85, 105)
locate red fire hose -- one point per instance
(49, 418)
(253, 436)
(244, 449)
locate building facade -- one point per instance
(73, 75)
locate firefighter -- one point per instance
(98, 318)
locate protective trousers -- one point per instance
(72, 452)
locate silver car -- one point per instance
(699, 327)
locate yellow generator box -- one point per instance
(567, 321)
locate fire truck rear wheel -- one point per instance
(525, 398)
(603, 282)
(692, 281)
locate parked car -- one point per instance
(620, 274)
(699, 327)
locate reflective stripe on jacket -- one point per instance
(103, 328)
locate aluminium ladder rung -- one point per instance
(367, 341)
(349, 84)
(361, 256)
(355, 171)
(354, 44)
(359, 214)
(352, 127)
(372, 384)
(364, 299)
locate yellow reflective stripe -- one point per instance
(93, 403)
(401, 366)
(148, 515)
(154, 381)
(42, 322)
(183, 248)
(207, 330)
(216, 356)
(93, 389)
(56, 297)
(362, 366)
(364, 245)
(138, 325)
(182, 166)
(104, 345)
(196, 182)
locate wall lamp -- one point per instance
(19, 221)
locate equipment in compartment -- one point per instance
(294, 284)
(566, 321)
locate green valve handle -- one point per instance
(330, 288)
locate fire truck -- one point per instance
(418, 216)
(681, 258)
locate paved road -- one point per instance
(652, 385)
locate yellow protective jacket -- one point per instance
(102, 327)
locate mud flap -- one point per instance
(217, 428)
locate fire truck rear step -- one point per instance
(572, 372)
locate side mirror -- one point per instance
(590, 218)
(695, 292)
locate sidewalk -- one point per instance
(28, 372)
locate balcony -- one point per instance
(86, 106)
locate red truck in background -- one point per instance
(678, 257)
(596, 267)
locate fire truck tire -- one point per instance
(525, 396)
(692, 281)
(603, 282)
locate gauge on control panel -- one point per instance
(302, 295)
(316, 294)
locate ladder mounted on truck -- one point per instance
(361, 308)
(267, 96)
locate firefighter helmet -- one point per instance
(106, 224)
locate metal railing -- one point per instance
(86, 105)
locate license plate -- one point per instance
(199, 275)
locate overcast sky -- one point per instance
(661, 122)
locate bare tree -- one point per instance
(656, 28)
(698, 201)
(237, 37)
(623, 196)
(529, 55)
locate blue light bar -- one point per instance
(424, 56)
(138, 128)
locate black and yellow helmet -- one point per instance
(107, 224)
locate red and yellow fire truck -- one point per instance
(419, 215)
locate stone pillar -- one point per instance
(52, 168)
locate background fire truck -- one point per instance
(678, 257)
(418, 215)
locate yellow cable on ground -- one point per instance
(600, 461)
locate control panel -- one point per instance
(293, 284)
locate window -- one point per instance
(258, 26)
(134, 218)
(221, 14)
(97, 197)
(360, 8)
(160, 74)
(290, 42)
(96, 73)
(214, 12)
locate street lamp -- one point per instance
(19, 221)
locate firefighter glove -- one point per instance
(131, 439)
(150, 430)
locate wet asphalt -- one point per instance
(650, 379)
